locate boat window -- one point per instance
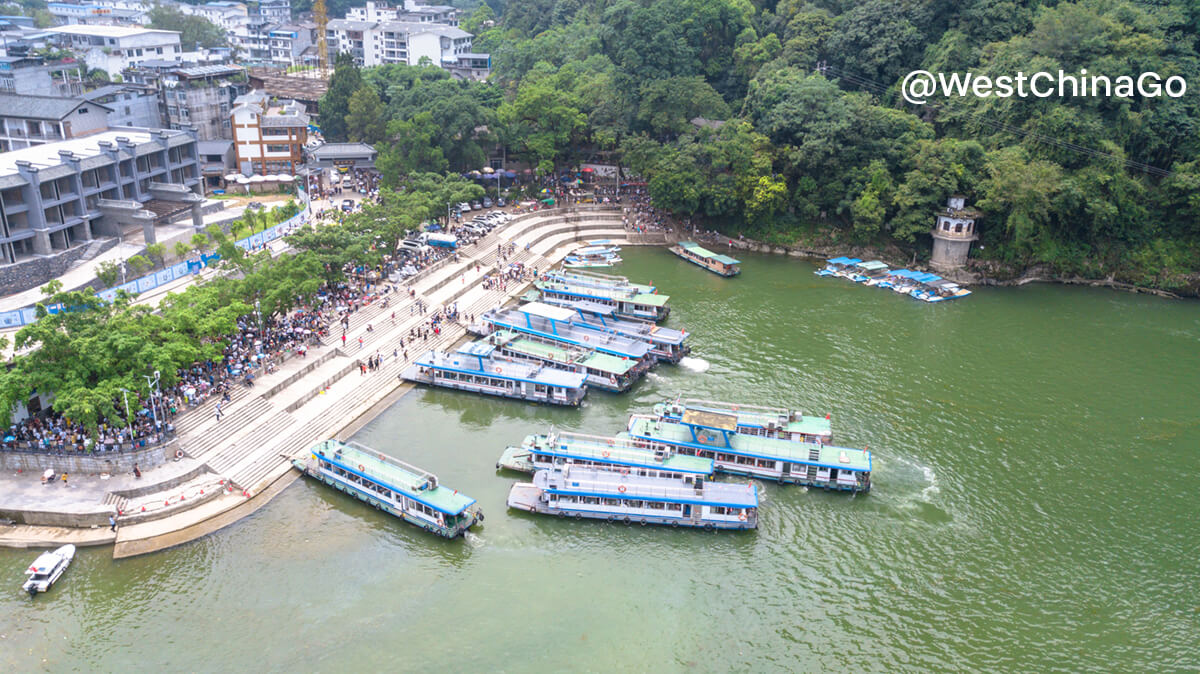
(763, 463)
(612, 501)
(655, 505)
(717, 510)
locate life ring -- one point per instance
(621, 488)
(604, 453)
(360, 467)
(612, 380)
(179, 454)
(610, 443)
(497, 370)
(585, 339)
(742, 516)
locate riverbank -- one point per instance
(978, 272)
(246, 458)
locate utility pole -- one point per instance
(125, 395)
(153, 386)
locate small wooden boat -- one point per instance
(47, 568)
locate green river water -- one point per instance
(1033, 509)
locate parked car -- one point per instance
(476, 205)
(487, 203)
(464, 207)
(347, 205)
(500, 202)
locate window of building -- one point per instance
(279, 148)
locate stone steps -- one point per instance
(203, 441)
(250, 445)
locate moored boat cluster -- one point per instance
(917, 284)
(576, 330)
(660, 469)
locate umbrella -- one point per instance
(474, 173)
(488, 169)
(528, 171)
(588, 169)
(510, 174)
(256, 179)
(243, 180)
(285, 178)
(233, 176)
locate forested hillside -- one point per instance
(1060, 180)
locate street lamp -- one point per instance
(153, 386)
(125, 395)
(258, 313)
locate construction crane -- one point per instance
(321, 18)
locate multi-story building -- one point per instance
(115, 48)
(374, 43)
(27, 121)
(275, 11)
(229, 16)
(56, 196)
(288, 42)
(410, 11)
(25, 75)
(201, 98)
(269, 135)
(66, 13)
(130, 105)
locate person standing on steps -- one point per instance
(112, 523)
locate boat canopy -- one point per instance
(873, 265)
(926, 278)
(480, 348)
(725, 259)
(710, 419)
(547, 311)
(594, 307)
(844, 260)
(650, 299)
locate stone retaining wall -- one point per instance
(83, 519)
(15, 278)
(91, 464)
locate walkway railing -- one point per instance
(97, 448)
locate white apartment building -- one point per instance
(410, 11)
(115, 48)
(374, 43)
(230, 16)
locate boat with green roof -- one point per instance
(693, 252)
(768, 422)
(626, 301)
(623, 455)
(603, 370)
(598, 280)
(713, 435)
(392, 486)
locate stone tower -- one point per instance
(952, 235)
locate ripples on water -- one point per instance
(1033, 510)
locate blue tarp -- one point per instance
(843, 260)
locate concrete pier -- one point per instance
(244, 459)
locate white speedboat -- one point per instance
(47, 568)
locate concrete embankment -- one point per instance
(246, 456)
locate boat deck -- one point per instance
(389, 471)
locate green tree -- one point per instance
(365, 121)
(195, 31)
(335, 104)
(109, 273)
(181, 249)
(138, 265)
(157, 252)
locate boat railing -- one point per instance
(421, 475)
(635, 489)
(736, 407)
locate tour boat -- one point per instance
(47, 568)
(715, 436)
(693, 501)
(869, 273)
(592, 256)
(392, 486)
(550, 324)
(666, 344)
(603, 370)
(939, 290)
(626, 301)
(596, 279)
(722, 265)
(837, 266)
(474, 368)
(548, 450)
(768, 422)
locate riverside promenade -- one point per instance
(234, 465)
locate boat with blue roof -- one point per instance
(550, 324)
(587, 493)
(475, 367)
(719, 264)
(713, 435)
(767, 422)
(542, 451)
(626, 301)
(666, 344)
(592, 256)
(838, 266)
(392, 486)
(603, 370)
(597, 279)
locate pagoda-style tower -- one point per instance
(953, 234)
